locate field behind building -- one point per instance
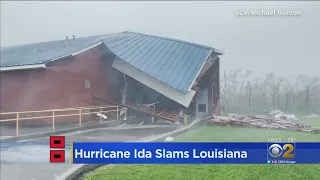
(220, 172)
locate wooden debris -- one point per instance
(237, 120)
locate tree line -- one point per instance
(243, 93)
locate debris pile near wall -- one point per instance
(262, 122)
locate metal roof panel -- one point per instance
(174, 62)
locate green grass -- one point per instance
(218, 172)
(315, 122)
(237, 134)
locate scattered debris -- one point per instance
(312, 116)
(102, 115)
(169, 139)
(286, 116)
(275, 112)
(281, 115)
(262, 122)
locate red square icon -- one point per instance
(57, 156)
(57, 142)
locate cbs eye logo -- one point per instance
(285, 151)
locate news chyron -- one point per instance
(281, 153)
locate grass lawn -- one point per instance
(315, 122)
(218, 172)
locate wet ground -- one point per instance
(34, 152)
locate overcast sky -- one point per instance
(286, 45)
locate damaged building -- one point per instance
(147, 75)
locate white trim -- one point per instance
(85, 49)
(60, 57)
(204, 62)
(177, 96)
(22, 67)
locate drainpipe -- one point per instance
(123, 100)
(124, 94)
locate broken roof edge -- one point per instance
(219, 52)
(212, 51)
(203, 63)
(182, 98)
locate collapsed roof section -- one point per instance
(172, 62)
(179, 97)
(168, 66)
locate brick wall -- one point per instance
(60, 85)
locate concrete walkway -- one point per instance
(46, 171)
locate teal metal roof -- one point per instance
(173, 62)
(41, 53)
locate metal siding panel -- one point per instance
(114, 44)
(25, 55)
(180, 66)
(146, 53)
(142, 51)
(138, 51)
(129, 44)
(146, 65)
(195, 70)
(119, 45)
(158, 61)
(172, 68)
(134, 49)
(152, 49)
(184, 85)
(166, 61)
(157, 56)
(173, 62)
(110, 40)
(184, 70)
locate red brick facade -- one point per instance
(60, 85)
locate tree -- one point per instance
(241, 93)
(311, 88)
(250, 88)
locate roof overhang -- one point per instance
(36, 66)
(175, 95)
(12, 68)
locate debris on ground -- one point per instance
(169, 139)
(102, 115)
(275, 112)
(262, 121)
(312, 116)
(285, 116)
(279, 114)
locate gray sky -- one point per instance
(285, 45)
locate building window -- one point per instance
(87, 84)
(202, 108)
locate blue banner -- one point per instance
(194, 153)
